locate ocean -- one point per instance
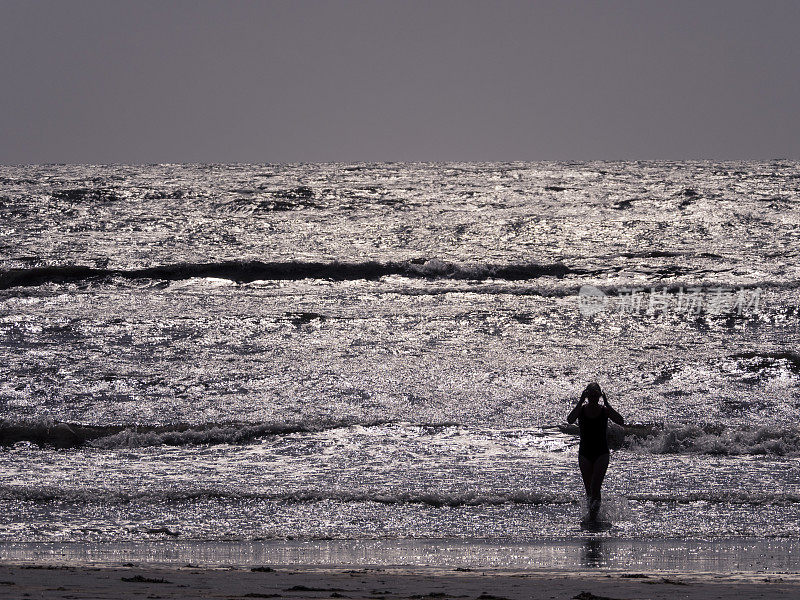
(388, 352)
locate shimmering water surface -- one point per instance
(386, 351)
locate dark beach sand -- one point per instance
(22, 581)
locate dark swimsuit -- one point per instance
(593, 435)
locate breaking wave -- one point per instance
(545, 279)
(652, 438)
(51, 493)
(71, 435)
(249, 271)
(649, 438)
(717, 440)
(435, 499)
(721, 497)
(754, 366)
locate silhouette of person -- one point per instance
(593, 450)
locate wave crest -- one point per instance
(51, 493)
(700, 439)
(434, 499)
(249, 271)
(72, 435)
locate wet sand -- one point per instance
(590, 569)
(592, 553)
(189, 581)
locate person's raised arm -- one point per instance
(573, 415)
(612, 414)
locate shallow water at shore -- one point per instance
(743, 555)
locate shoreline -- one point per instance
(191, 581)
(590, 554)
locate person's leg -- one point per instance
(587, 470)
(599, 468)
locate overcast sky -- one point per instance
(143, 82)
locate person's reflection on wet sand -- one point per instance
(593, 553)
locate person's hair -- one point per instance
(593, 390)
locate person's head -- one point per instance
(593, 392)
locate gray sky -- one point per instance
(142, 82)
